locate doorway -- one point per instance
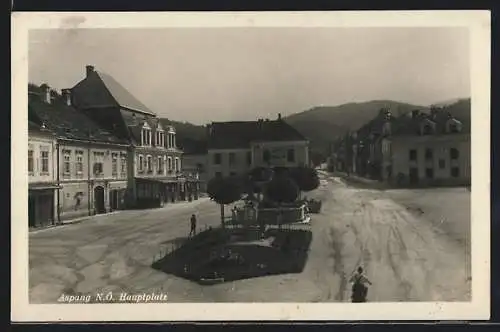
(99, 200)
(413, 175)
(31, 211)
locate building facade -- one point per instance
(195, 165)
(90, 164)
(427, 149)
(419, 148)
(237, 147)
(42, 204)
(155, 162)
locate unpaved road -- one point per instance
(405, 255)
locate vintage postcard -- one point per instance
(250, 166)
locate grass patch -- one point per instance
(235, 254)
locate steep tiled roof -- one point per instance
(239, 134)
(65, 121)
(121, 95)
(100, 90)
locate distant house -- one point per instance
(415, 148)
(236, 147)
(42, 202)
(195, 160)
(430, 148)
(89, 164)
(155, 160)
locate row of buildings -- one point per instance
(95, 148)
(418, 148)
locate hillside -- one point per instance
(321, 125)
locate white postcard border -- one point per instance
(478, 23)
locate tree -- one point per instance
(257, 178)
(282, 189)
(224, 191)
(306, 178)
(261, 174)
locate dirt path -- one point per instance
(404, 255)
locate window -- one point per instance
(177, 165)
(427, 130)
(169, 164)
(98, 163)
(149, 164)
(79, 162)
(413, 155)
(455, 172)
(140, 163)
(217, 159)
(442, 163)
(429, 173)
(44, 157)
(160, 138)
(67, 162)
(428, 154)
(146, 135)
(454, 153)
(266, 156)
(160, 165)
(249, 158)
(218, 174)
(31, 163)
(114, 163)
(232, 173)
(454, 128)
(290, 155)
(232, 158)
(123, 164)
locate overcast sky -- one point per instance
(202, 75)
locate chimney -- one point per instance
(89, 70)
(46, 93)
(279, 116)
(66, 93)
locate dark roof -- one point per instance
(239, 134)
(135, 121)
(407, 124)
(100, 90)
(191, 146)
(65, 121)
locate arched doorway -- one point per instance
(99, 199)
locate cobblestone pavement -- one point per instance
(406, 256)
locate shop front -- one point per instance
(41, 205)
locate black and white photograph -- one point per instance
(284, 166)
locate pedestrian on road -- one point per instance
(193, 225)
(359, 287)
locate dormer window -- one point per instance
(171, 138)
(146, 135)
(427, 127)
(453, 126)
(160, 137)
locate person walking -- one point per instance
(359, 287)
(193, 225)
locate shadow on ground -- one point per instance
(219, 255)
